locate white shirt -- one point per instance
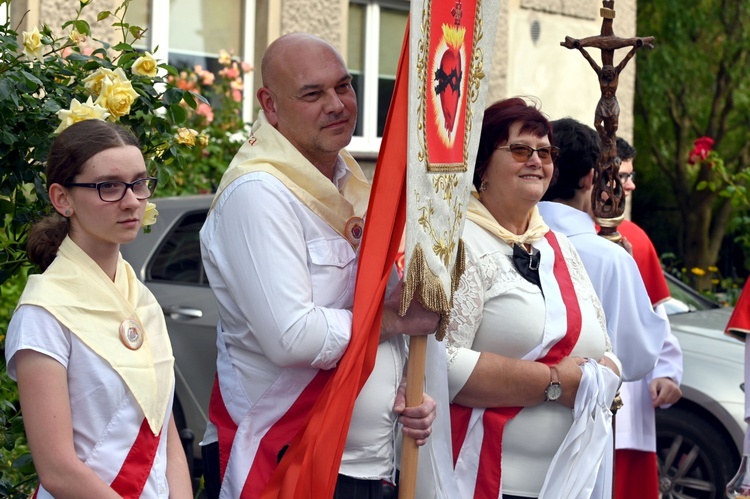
(105, 416)
(617, 281)
(284, 283)
(496, 310)
(636, 331)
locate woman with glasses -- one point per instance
(525, 322)
(87, 343)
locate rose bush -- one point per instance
(51, 81)
(219, 117)
(48, 81)
(728, 184)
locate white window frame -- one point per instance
(369, 142)
(159, 27)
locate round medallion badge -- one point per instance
(354, 230)
(131, 334)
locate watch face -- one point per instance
(553, 392)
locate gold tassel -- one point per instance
(428, 287)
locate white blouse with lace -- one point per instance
(496, 310)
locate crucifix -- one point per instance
(608, 202)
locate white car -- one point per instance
(699, 438)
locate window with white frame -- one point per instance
(193, 32)
(376, 32)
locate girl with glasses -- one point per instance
(87, 343)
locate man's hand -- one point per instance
(418, 321)
(664, 391)
(416, 421)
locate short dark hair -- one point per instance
(579, 150)
(498, 118)
(625, 150)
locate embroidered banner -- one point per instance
(450, 54)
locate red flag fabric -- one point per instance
(309, 468)
(739, 323)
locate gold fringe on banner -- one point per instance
(428, 287)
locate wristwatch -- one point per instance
(554, 390)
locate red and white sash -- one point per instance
(137, 463)
(249, 451)
(477, 459)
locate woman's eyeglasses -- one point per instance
(624, 177)
(522, 152)
(112, 191)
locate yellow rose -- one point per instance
(698, 271)
(224, 58)
(150, 215)
(117, 97)
(95, 81)
(80, 112)
(77, 37)
(202, 140)
(32, 44)
(186, 136)
(145, 66)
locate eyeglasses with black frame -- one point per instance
(112, 191)
(624, 177)
(522, 152)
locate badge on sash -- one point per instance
(354, 229)
(131, 334)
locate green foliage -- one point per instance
(723, 290)
(17, 475)
(694, 83)
(733, 186)
(46, 84)
(44, 79)
(219, 116)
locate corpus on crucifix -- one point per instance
(608, 201)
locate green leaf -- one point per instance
(173, 96)
(30, 77)
(123, 47)
(177, 114)
(136, 32)
(200, 97)
(701, 185)
(103, 15)
(170, 69)
(6, 207)
(189, 99)
(82, 27)
(22, 461)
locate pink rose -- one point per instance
(205, 110)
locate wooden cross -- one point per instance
(607, 198)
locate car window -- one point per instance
(178, 259)
(684, 298)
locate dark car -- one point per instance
(699, 439)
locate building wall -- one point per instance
(528, 59)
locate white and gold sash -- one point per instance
(84, 299)
(268, 151)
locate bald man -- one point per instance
(280, 249)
